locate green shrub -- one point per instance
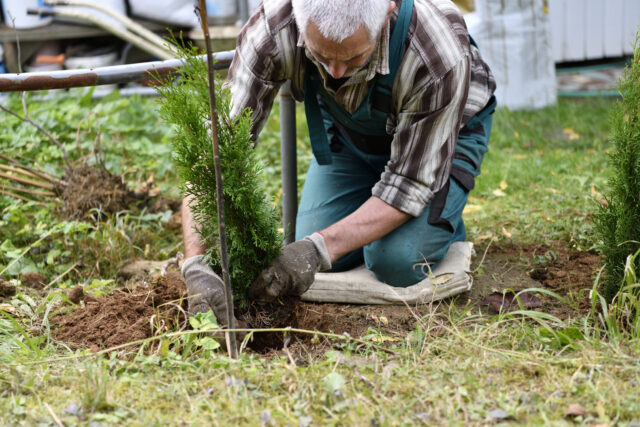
(618, 220)
(251, 221)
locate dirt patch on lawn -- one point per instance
(497, 268)
(124, 316)
(137, 313)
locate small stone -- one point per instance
(498, 414)
(73, 409)
(265, 417)
(558, 394)
(575, 410)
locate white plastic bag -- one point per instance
(514, 40)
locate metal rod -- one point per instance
(124, 34)
(114, 74)
(224, 261)
(288, 158)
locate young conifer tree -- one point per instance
(618, 221)
(251, 221)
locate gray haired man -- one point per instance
(399, 105)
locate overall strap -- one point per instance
(381, 98)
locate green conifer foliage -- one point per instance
(251, 220)
(618, 221)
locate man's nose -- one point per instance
(337, 69)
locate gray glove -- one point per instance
(293, 271)
(205, 289)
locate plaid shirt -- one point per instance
(441, 83)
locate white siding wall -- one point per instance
(592, 29)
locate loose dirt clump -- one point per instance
(126, 315)
(34, 280)
(7, 290)
(93, 187)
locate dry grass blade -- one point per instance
(28, 191)
(26, 181)
(40, 174)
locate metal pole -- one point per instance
(243, 11)
(289, 162)
(114, 74)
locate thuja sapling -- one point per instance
(251, 219)
(617, 221)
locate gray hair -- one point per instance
(339, 19)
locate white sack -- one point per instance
(171, 12)
(514, 39)
(360, 286)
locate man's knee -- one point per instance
(404, 262)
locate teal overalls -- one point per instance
(351, 151)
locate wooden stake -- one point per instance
(224, 261)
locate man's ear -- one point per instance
(392, 6)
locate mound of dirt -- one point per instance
(93, 187)
(128, 315)
(124, 316)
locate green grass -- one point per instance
(456, 367)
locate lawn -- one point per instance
(458, 362)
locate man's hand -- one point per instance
(293, 271)
(205, 289)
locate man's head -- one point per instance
(342, 34)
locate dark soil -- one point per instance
(127, 315)
(279, 314)
(93, 187)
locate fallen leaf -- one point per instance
(483, 237)
(508, 301)
(554, 191)
(506, 232)
(575, 410)
(8, 308)
(503, 185)
(603, 202)
(384, 320)
(516, 134)
(571, 134)
(499, 193)
(545, 217)
(375, 318)
(472, 208)
(520, 156)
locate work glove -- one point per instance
(205, 289)
(293, 271)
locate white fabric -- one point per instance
(515, 41)
(360, 286)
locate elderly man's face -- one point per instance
(340, 59)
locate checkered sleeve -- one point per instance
(256, 72)
(425, 136)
